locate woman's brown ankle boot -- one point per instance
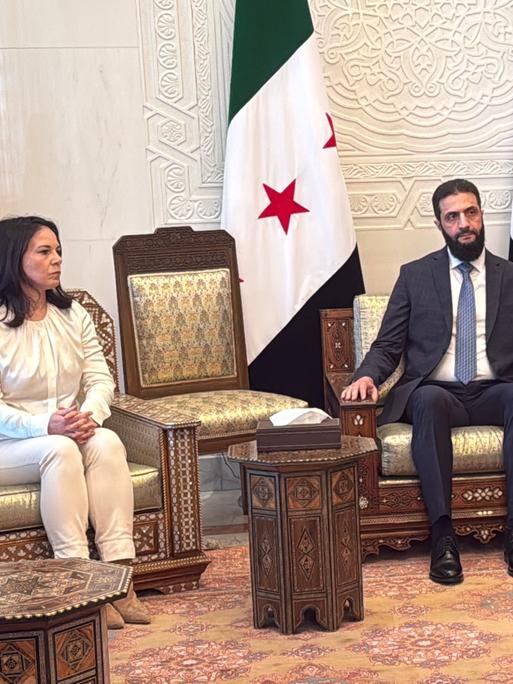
(131, 608)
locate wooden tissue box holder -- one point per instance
(297, 436)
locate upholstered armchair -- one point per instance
(391, 506)
(162, 457)
(183, 336)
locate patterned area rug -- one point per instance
(413, 631)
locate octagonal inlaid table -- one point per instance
(304, 529)
(52, 627)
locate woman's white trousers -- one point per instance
(79, 483)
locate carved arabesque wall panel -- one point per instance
(420, 91)
(186, 46)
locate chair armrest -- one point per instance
(360, 403)
(356, 417)
(338, 382)
(142, 426)
(154, 411)
(156, 436)
(359, 418)
(334, 383)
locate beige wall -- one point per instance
(113, 117)
(72, 128)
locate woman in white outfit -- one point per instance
(48, 352)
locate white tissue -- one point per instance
(299, 416)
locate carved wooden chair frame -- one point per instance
(179, 248)
(392, 511)
(168, 539)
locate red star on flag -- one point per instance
(282, 205)
(331, 142)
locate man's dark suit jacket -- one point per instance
(418, 323)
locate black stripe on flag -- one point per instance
(292, 362)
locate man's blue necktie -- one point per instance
(466, 362)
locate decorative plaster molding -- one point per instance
(185, 123)
(418, 94)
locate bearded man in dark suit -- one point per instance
(451, 315)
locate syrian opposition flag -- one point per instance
(284, 198)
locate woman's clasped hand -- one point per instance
(71, 422)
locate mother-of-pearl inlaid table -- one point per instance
(304, 530)
(52, 627)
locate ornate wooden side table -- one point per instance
(304, 533)
(52, 627)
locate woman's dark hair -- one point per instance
(15, 235)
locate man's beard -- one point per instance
(466, 251)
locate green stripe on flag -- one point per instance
(266, 33)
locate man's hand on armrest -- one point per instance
(363, 388)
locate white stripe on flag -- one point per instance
(277, 138)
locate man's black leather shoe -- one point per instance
(445, 562)
(508, 549)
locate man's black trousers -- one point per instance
(436, 407)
